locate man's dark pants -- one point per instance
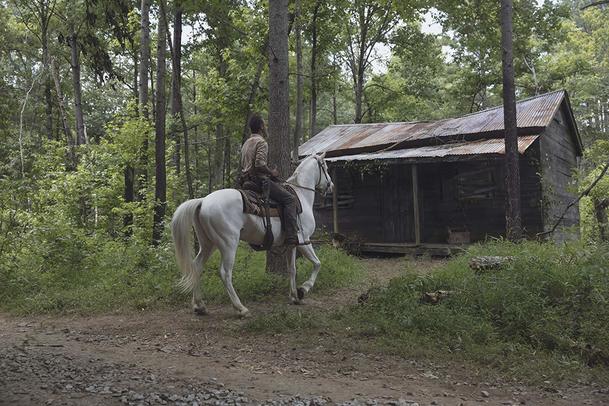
(286, 200)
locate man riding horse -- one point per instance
(254, 164)
(221, 221)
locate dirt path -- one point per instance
(173, 357)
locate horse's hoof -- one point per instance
(200, 311)
(244, 314)
(301, 293)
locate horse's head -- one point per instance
(312, 174)
(324, 184)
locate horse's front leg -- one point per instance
(308, 252)
(228, 251)
(294, 294)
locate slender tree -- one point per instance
(299, 83)
(42, 12)
(368, 24)
(279, 114)
(64, 116)
(512, 216)
(177, 106)
(129, 171)
(144, 75)
(250, 99)
(45, 13)
(81, 131)
(144, 57)
(314, 76)
(176, 76)
(160, 185)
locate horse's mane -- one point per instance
(299, 167)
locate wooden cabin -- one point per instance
(441, 184)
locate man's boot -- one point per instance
(291, 225)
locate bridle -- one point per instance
(317, 189)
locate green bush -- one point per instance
(56, 267)
(553, 299)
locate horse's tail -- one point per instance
(182, 222)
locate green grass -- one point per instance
(96, 276)
(548, 310)
(550, 305)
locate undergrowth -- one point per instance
(78, 273)
(550, 306)
(547, 310)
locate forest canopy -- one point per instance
(94, 94)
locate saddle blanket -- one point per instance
(253, 203)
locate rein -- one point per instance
(316, 189)
(301, 187)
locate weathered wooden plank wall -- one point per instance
(558, 161)
(479, 210)
(377, 206)
(374, 204)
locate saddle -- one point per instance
(254, 201)
(257, 202)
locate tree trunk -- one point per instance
(226, 180)
(81, 129)
(129, 195)
(47, 83)
(279, 117)
(160, 188)
(144, 70)
(600, 207)
(197, 163)
(359, 94)
(334, 107)
(144, 57)
(313, 119)
(219, 150)
(299, 84)
(218, 155)
(251, 98)
(513, 218)
(64, 117)
(177, 106)
(135, 78)
(176, 75)
(129, 171)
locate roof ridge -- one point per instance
(453, 118)
(517, 102)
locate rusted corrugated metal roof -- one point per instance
(533, 114)
(495, 146)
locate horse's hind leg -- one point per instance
(226, 273)
(308, 252)
(198, 305)
(295, 297)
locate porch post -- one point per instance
(415, 204)
(334, 203)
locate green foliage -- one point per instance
(551, 300)
(60, 268)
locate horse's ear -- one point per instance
(322, 155)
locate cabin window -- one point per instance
(475, 185)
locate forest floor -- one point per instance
(174, 357)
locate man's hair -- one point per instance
(256, 123)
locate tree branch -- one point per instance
(574, 202)
(595, 3)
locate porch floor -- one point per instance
(434, 250)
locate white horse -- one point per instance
(219, 222)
